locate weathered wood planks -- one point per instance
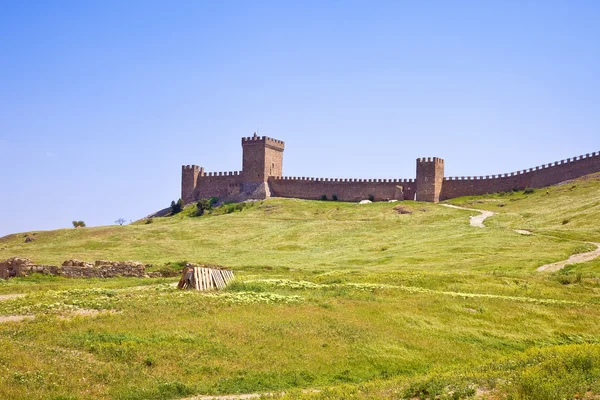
(202, 279)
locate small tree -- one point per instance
(120, 221)
(203, 205)
(78, 224)
(176, 207)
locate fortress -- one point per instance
(262, 177)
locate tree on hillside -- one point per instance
(176, 207)
(202, 205)
(120, 221)
(78, 224)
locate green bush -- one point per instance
(528, 191)
(334, 197)
(149, 221)
(371, 197)
(176, 207)
(79, 224)
(324, 197)
(202, 206)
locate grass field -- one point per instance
(352, 300)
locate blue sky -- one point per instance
(102, 102)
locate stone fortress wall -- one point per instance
(262, 177)
(536, 177)
(342, 189)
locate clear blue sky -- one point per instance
(102, 102)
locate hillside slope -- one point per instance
(315, 234)
(357, 301)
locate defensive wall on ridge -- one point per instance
(536, 177)
(342, 189)
(262, 177)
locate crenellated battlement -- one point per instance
(265, 140)
(228, 173)
(435, 160)
(341, 180)
(565, 162)
(262, 176)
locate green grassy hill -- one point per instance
(353, 300)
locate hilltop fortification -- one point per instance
(262, 177)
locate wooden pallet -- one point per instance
(202, 279)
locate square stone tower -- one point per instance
(262, 157)
(430, 177)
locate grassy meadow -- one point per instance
(332, 300)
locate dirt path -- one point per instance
(246, 396)
(574, 259)
(523, 232)
(11, 296)
(15, 318)
(475, 220)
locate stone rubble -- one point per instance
(15, 266)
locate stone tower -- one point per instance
(430, 176)
(189, 179)
(263, 157)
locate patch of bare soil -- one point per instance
(11, 296)
(15, 318)
(574, 259)
(247, 396)
(86, 313)
(475, 220)
(523, 232)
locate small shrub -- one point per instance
(202, 206)
(78, 224)
(149, 221)
(149, 361)
(569, 279)
(528, 191)
(371, 197)
(334, 197)
(566, 221)
(240, 286)
(324, 197)
(176, 207)
(403, 210)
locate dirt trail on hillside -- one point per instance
(11, 296)
(475, 220)
(574, 259)
(246, 396)
(15, 318)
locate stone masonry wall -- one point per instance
(263, 166)
(344, 189)
(14, 267)
(223, 185)
(430, 176)
(541, 176)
